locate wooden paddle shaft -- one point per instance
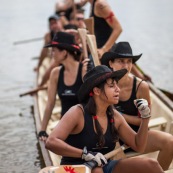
(91, 40)
(33, 91)
(90, 25)
(116, 151)
(82, 34)
(28, 41)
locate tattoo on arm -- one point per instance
(110, 17)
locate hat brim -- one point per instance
(111, 56)
(64, 46)
(88, 85)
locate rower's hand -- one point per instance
(42, 135)
(101, 51)
(87, 64)
(94, 156)
(143, 108)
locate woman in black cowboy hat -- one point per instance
(64, 80)
(87, 131)
(132, 88)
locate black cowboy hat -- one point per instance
(119, 50)
(96, 76)
(65, 41)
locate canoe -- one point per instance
(162, 117)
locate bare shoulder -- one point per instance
(78, 109)
(101, 3)
(118, 118)
(143, 89)
(47, 38)
(143, 85)
(102, 8)
(55, 73)
(74, 114)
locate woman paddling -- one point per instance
(89, 130)
(66, 79)
(132, 88)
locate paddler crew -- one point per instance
(132, 88)
(89, 130)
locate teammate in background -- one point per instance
(65, 80)
(106, 25)
(54, 26)
(133, 88)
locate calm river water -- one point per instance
(147, 25)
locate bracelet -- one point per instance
(42, 134)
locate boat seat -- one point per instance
(169, 171)
(160, 122)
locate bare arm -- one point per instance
(71, 123)
(138, 140)
(104, 10)
(51, 98)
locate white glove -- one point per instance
(97, 157)
(143, 108)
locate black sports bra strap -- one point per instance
(81, 106)
(138, 85)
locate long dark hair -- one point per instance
(90, 107)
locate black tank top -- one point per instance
(68, 94)
(101, 29)
(87, 137)
(128, 107)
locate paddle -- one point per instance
(33, 91)
(28, 41)
(89, 25)
(119, 150)
(66, 169)
(35, 58)
(81, 168)
(91, 41)
(82, 34)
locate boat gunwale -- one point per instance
(45, 153)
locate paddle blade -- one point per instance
(82, 34)
(91, 41)
(66, 169)
(90, 25)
